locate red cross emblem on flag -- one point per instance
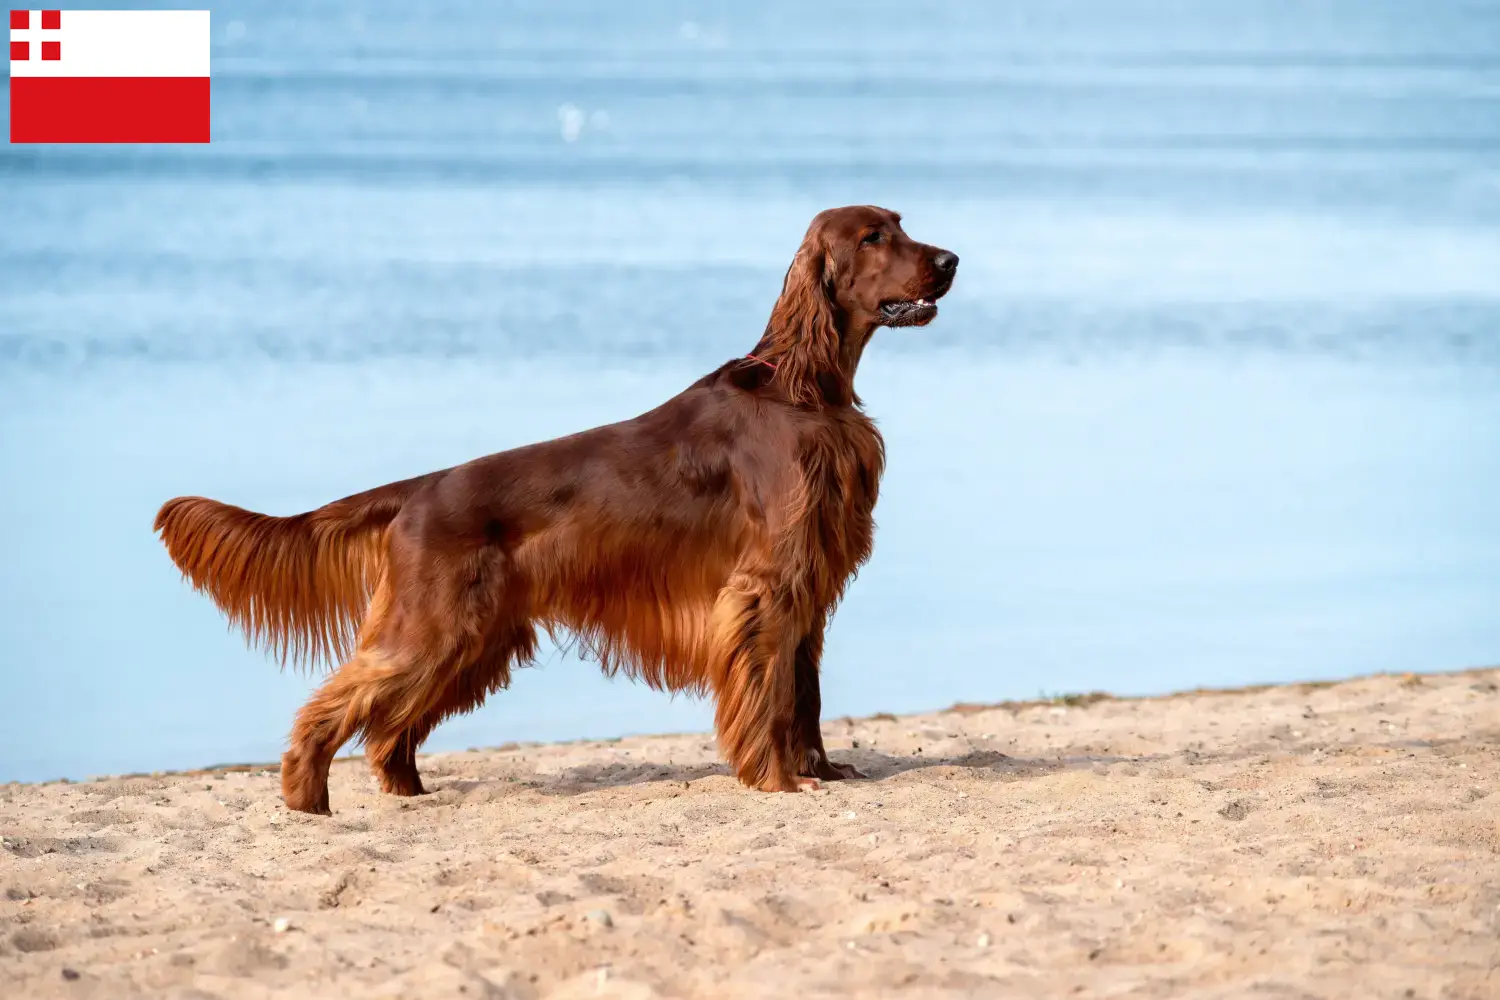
(109, 76)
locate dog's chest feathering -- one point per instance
(841, 468)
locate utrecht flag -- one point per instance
(109, 76)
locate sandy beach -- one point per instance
(1303, 841)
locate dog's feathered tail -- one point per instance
(296, 586)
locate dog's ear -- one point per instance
(803, 335)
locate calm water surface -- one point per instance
(1216, 398)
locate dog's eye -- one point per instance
(874, 237)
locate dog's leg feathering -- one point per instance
(385, 699)
(394, 761)
(754, 681)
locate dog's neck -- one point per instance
(852, 346)
(813, 360)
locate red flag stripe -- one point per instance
(109, 109)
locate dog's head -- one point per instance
(861, 260)
(856, 270)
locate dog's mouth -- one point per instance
(910, 312)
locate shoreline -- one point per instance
(1071, 699)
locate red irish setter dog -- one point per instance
(700, 547)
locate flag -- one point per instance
(109, 76)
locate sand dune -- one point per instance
(1324, 841)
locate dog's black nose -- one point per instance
(945, 261)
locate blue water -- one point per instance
(1216, 398)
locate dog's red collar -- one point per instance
(769, 364)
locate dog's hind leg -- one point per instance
(377, 695)
(390, 684)
(394, 760)
(397, 772)
(337, 712)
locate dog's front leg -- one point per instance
(754, 677)
(813, 760)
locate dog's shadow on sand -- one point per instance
(875, 766)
